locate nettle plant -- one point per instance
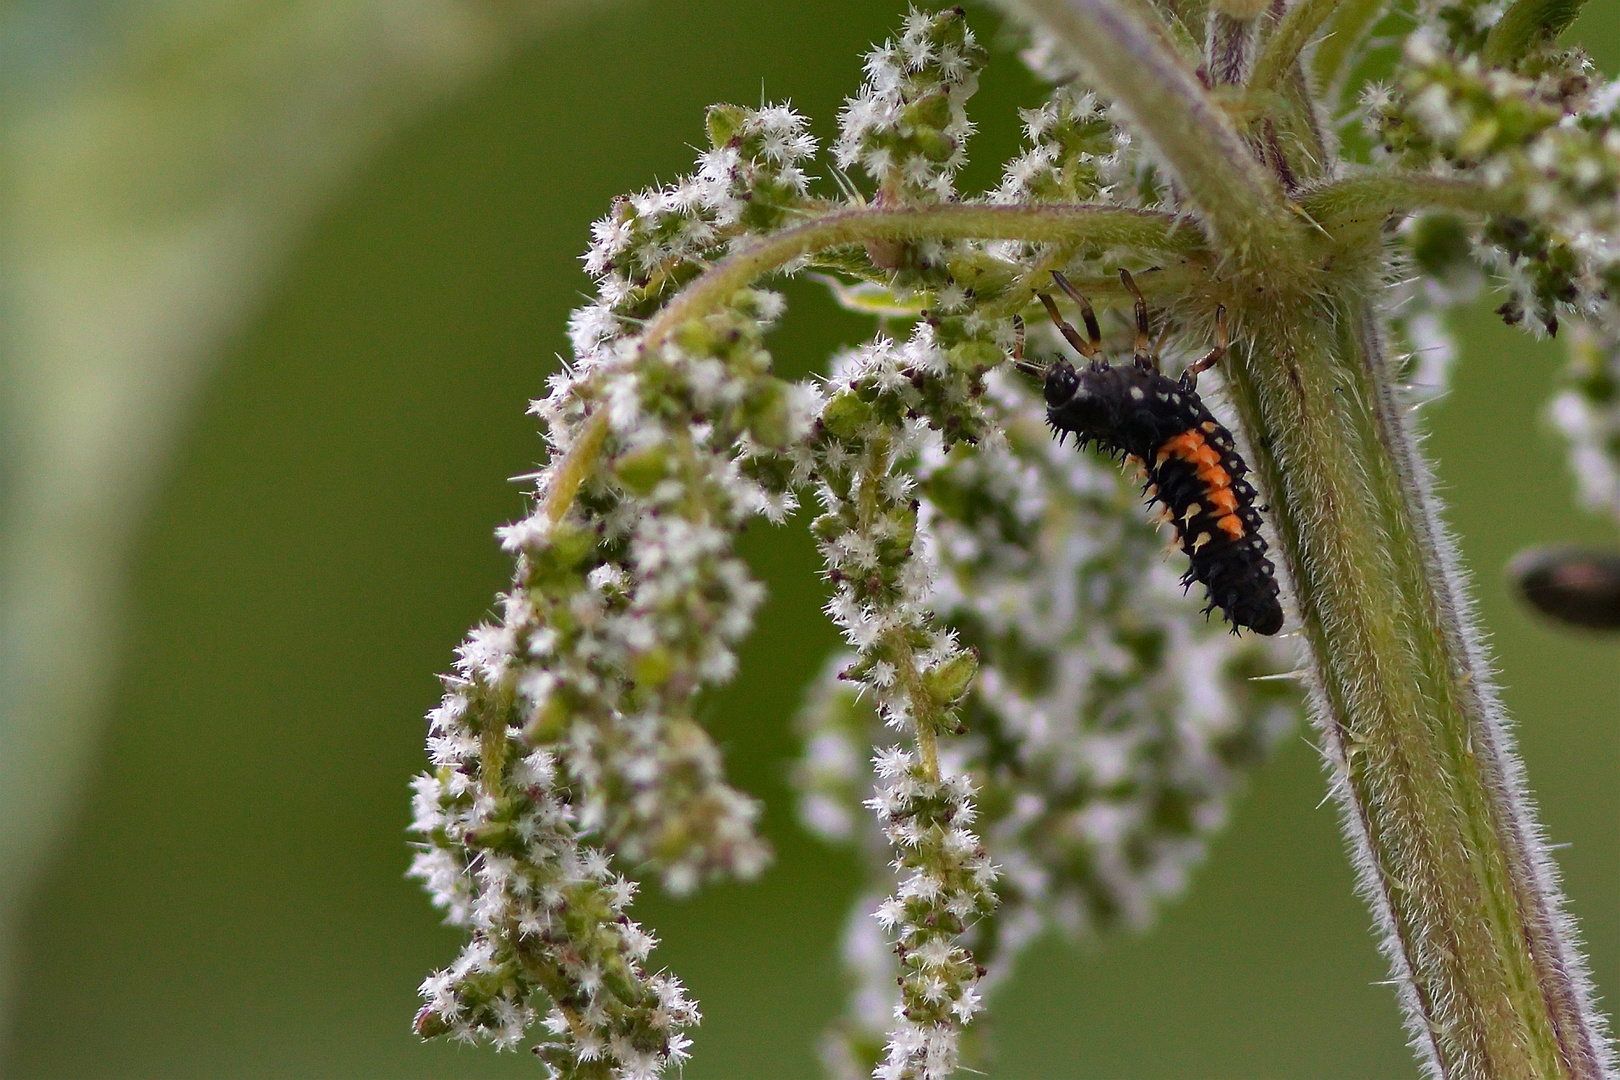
(1032, 726)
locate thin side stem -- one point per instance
(1350, 22)
(1143, 230)
(1433, 799)
(1107, 226)
(1230, 49)
(1374, 197)
(1168, 283)
(925, 723)
(1127, 52)
(575, 466)
(1299, 26)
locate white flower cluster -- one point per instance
(1545, 136)
(651, 243)
(630, 611)
(753, 173)
(1544, 139)
(647, 611)
(545, 913)
(1076, 152)
(871, 430)
(908, 127)
(944, 889)
(572, 719)
(881, 400)
(1109, 728)
(1131, 718)
(1587, 412)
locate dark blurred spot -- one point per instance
(1574, 586)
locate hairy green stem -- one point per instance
(1343, 204)
(1166, 281)
(1432, 795)
(1350, 21)
(1142, 230)
(1228, 53)
(1299, 25)
(1125, 49)
(575, 466)
(1106, 226)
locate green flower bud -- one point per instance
(767, 416)
(846, 416)
(724, 123)
(653, 667)
(946, 683)
(641, 470)
(549, 721)
(556, 562)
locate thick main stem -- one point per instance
(1433, 797)
(1125, 48)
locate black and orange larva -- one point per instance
(1192, 463)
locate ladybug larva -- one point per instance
(1192, 462)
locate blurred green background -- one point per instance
(230, 899)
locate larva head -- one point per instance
(1061, 383)
(1085, 401)
(1094, 402)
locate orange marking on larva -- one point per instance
(1190, 447)
(1184, 446)
(1214, 477)
(1223, 499)
(1231, 525)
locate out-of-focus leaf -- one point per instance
(159, 158)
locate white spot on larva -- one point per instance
(1136, 393)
